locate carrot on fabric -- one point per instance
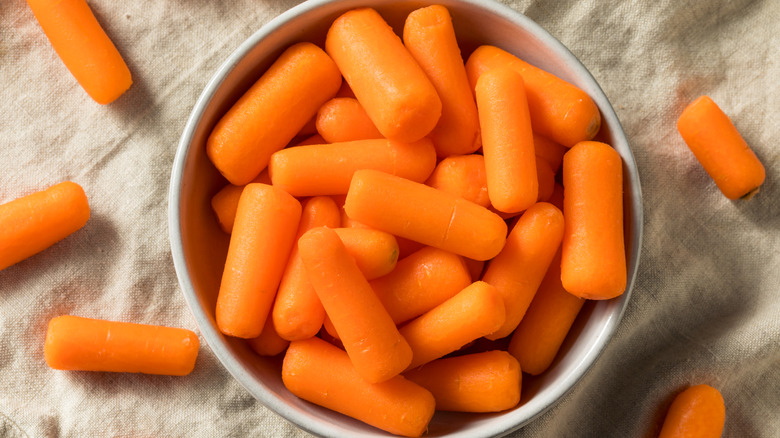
(85, 344)
(420, 282)
(479, 382)
(421, 213)
(269, 343)
(507, 140)
(344, 119)
(320, 373)
(593, 258)
(375, 252)
(550, 151)
(721, 150)
(32, 223)
(476, 311)
(519, 269)
(327, 169)
(272, 112)
(395, 92)
(559, 110)
(546, 323)
(85, 49)
(699, 412)
(368, 333)
(462, 175)
(430, 37)
(546, 178)
(262, 239)
(297, 312)
(225, 202)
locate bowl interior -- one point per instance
(199, 247)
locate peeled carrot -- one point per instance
(397, 95)
(314, 139)
(720, 149)
(364, 327)
(310, 128)
(520, 267)
(225, 202)
(479, 382)
(546, 178)
(697, 412)
(263, 236)
(272, 112)
(507, 140)
(476, 311)
(407, 247)
(344, 119)
(475, 268)
(375, 252)
(269, 343)
(462, 175)
(84, 47)
(559, 110)
(421, 213)
(420, 282)
(327, 169)
(330, 330)
(593, 259)
(84, 344)
(430, 37)
(537, 339)
(32, 223)
(550, 151)
(297, 312)
(322, 374)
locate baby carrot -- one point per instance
(548, 319)
(272, 112)
(421, 213)
(314, 139)
(479, 382)
(297, 312)
(374, 251)
(462, 175)
(344, 119)
(697, 412)
(397, 95)
(32, 223)
(476, 311)
(225, 202)
(550, 151)
(84, 344)
(420, 282)
(520, 267)
(269, 343)
(507, 140)
(368, 333)
(407, 247)
(475, 268)
(84, 47)
(593, 258)
(559, 110)
(720, 149)
(546, 178)
(327, 169)
(320, 373)
(263, 236)
(430, 38)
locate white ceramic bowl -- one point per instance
(199, 247)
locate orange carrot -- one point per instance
(550, 151)
(559, 110)
(507, 140)
(421, 213)
(84, 47)
(476, 311)
(480, 382)
(344, 119)
(314, 139)
(225, 202)
(263, 236)
(84, 344)
(310, 128)
(269, 343)
(32, 223)
(407, 247)
(327, 324)
(548, 319)
(346, 91)
(462, 175)
(322, 374)
(374, 251)
(272, 112)
(698, 412)
(430, 38)
(546, 178)
(420, 282)
(475, 268)
(327, 169)
(520, 267)
(297, 312)
(720, 149)
(368, 333)
(397, 95)
(593, 259)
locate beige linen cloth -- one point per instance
(705, 309)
